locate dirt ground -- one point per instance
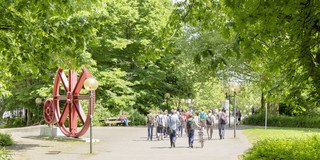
(123, 143)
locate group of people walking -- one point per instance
(174, 123)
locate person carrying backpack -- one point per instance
(190, 127)
(202, 118)
(150, 123)
(222, 121)
(160, 125)
(210, 124)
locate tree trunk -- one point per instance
(263, 101)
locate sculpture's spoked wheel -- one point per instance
(48, 112)
(72, 107)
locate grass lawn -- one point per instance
(255, 134)
(283, 143)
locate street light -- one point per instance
(167, 96)
(38, 101)
(234, 88)
(91, 85)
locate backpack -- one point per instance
(224, 119)
(202, 116)
(209, 120)
(160, 122)
(149, 119)
(190, 125)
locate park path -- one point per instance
(124, 143)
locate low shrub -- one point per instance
(284, 121)
(4, 154)
(306, 147)
(5, 140)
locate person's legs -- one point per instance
(181, 131)
(171, 136)
(156, 132)
(191, 139)
(126, 121)
(223, 130)
(211, 131)
(149, 131)
(208, 127)
(220, 133)
(174, 138)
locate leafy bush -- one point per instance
(136, 117)
(284, 121)
(306, 147)
(5, 140)
(4, 154)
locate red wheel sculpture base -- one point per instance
(72, 107)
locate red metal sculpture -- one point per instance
(72, 107)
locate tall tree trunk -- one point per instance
(263, 100)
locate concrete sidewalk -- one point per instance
(125, 143)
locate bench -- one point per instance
(113, 120)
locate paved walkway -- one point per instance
(124, 143)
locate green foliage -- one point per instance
(4, 154)
(5, 140)
(284, 120)
(136, 117)
(285, 148)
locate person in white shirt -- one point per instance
(210, 124)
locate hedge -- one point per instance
(284, 121)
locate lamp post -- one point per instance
(38, 101)
(234, 87)
(91, 85)
(167, 96)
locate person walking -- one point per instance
(202, 118)
(190, 127)
(160, 124)
(181, 123)
(210, 124)
(221, 117)
(165, 116)
(173, 123)
(150, 124)
(156, 124)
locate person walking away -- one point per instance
(191, 111)
(189, 129)
(202, 118)
(160, 125)
(252, 110)
(156, 124)
(173, 123)
(180, 109)
(181, 124)
(239, 117)
(165, 116)
(222, 121)
(210, 124)
(124, 119)
(186, 115)
(150, 123)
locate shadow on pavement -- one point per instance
(58, 139)
(23, 146)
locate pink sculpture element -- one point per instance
(72, 107)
